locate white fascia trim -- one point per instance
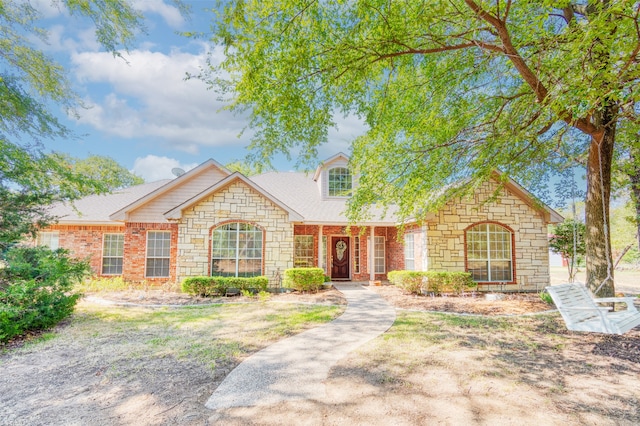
(123, 212)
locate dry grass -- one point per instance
(134, 365)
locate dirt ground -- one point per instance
(560, 378)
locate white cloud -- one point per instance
(150, 98)
(170, 14)
(152, 168)
(47, 8)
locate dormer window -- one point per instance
(340, 182)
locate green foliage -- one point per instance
(247, 169)
(546, 298)
(100, 169)
(219, 286)
(36, 289)
(303, 279)
(448, 92)
(30, 82)
(568, 239)
(421, 282)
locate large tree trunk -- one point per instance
(598, 235)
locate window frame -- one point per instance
(337, 187)
(409, 249)
(105, 257)
(306, 261)
(490, 246)
(236, 249)
(356, 255)
(46, 238)
(154, 258)
(324, 254)
(378, 261)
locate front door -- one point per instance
(340, 258)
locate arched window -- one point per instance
(236, 250)
(489, 253)
(340, 183)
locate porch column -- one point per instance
(372, 268)
(321, 255)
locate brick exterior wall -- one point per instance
(446, 236)
(236, 202)
(135, 251)
(439, 244)
(394, 249)
(85, 241)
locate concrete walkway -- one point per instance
(296, 367)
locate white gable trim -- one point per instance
(327, 162)
(176, 212)
(121, 214)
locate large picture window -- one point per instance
(236, 250)
(303, 251)
(340, 183)
(489, 253)
(112, 254)
(158, 254)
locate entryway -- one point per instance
(340, 258)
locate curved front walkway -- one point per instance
(296, 367)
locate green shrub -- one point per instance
(36, 289)
(218, 286)
(546, 297)
(303, 279)
(420, 282)
(410, 281)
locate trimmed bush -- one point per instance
(36, 289)
(303, 279)
(219, 286)
(410, 281)
(421, 282)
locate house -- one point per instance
(210, 221)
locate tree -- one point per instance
(245, 168)
(102, 169)
(449, 91)
(30, 82)
(568, 241)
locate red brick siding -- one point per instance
(135, 251)
(85, 241)
(394, 250)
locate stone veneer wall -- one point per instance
(236, 202)
(446, 236)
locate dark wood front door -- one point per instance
(340, 258)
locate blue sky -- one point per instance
(141, 111)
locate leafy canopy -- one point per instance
(31, 83)
(449, 90)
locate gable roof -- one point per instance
(97, 208)
(300, 192)
(121, 214)
(327, 162)
(176, 212)
(549, 214)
